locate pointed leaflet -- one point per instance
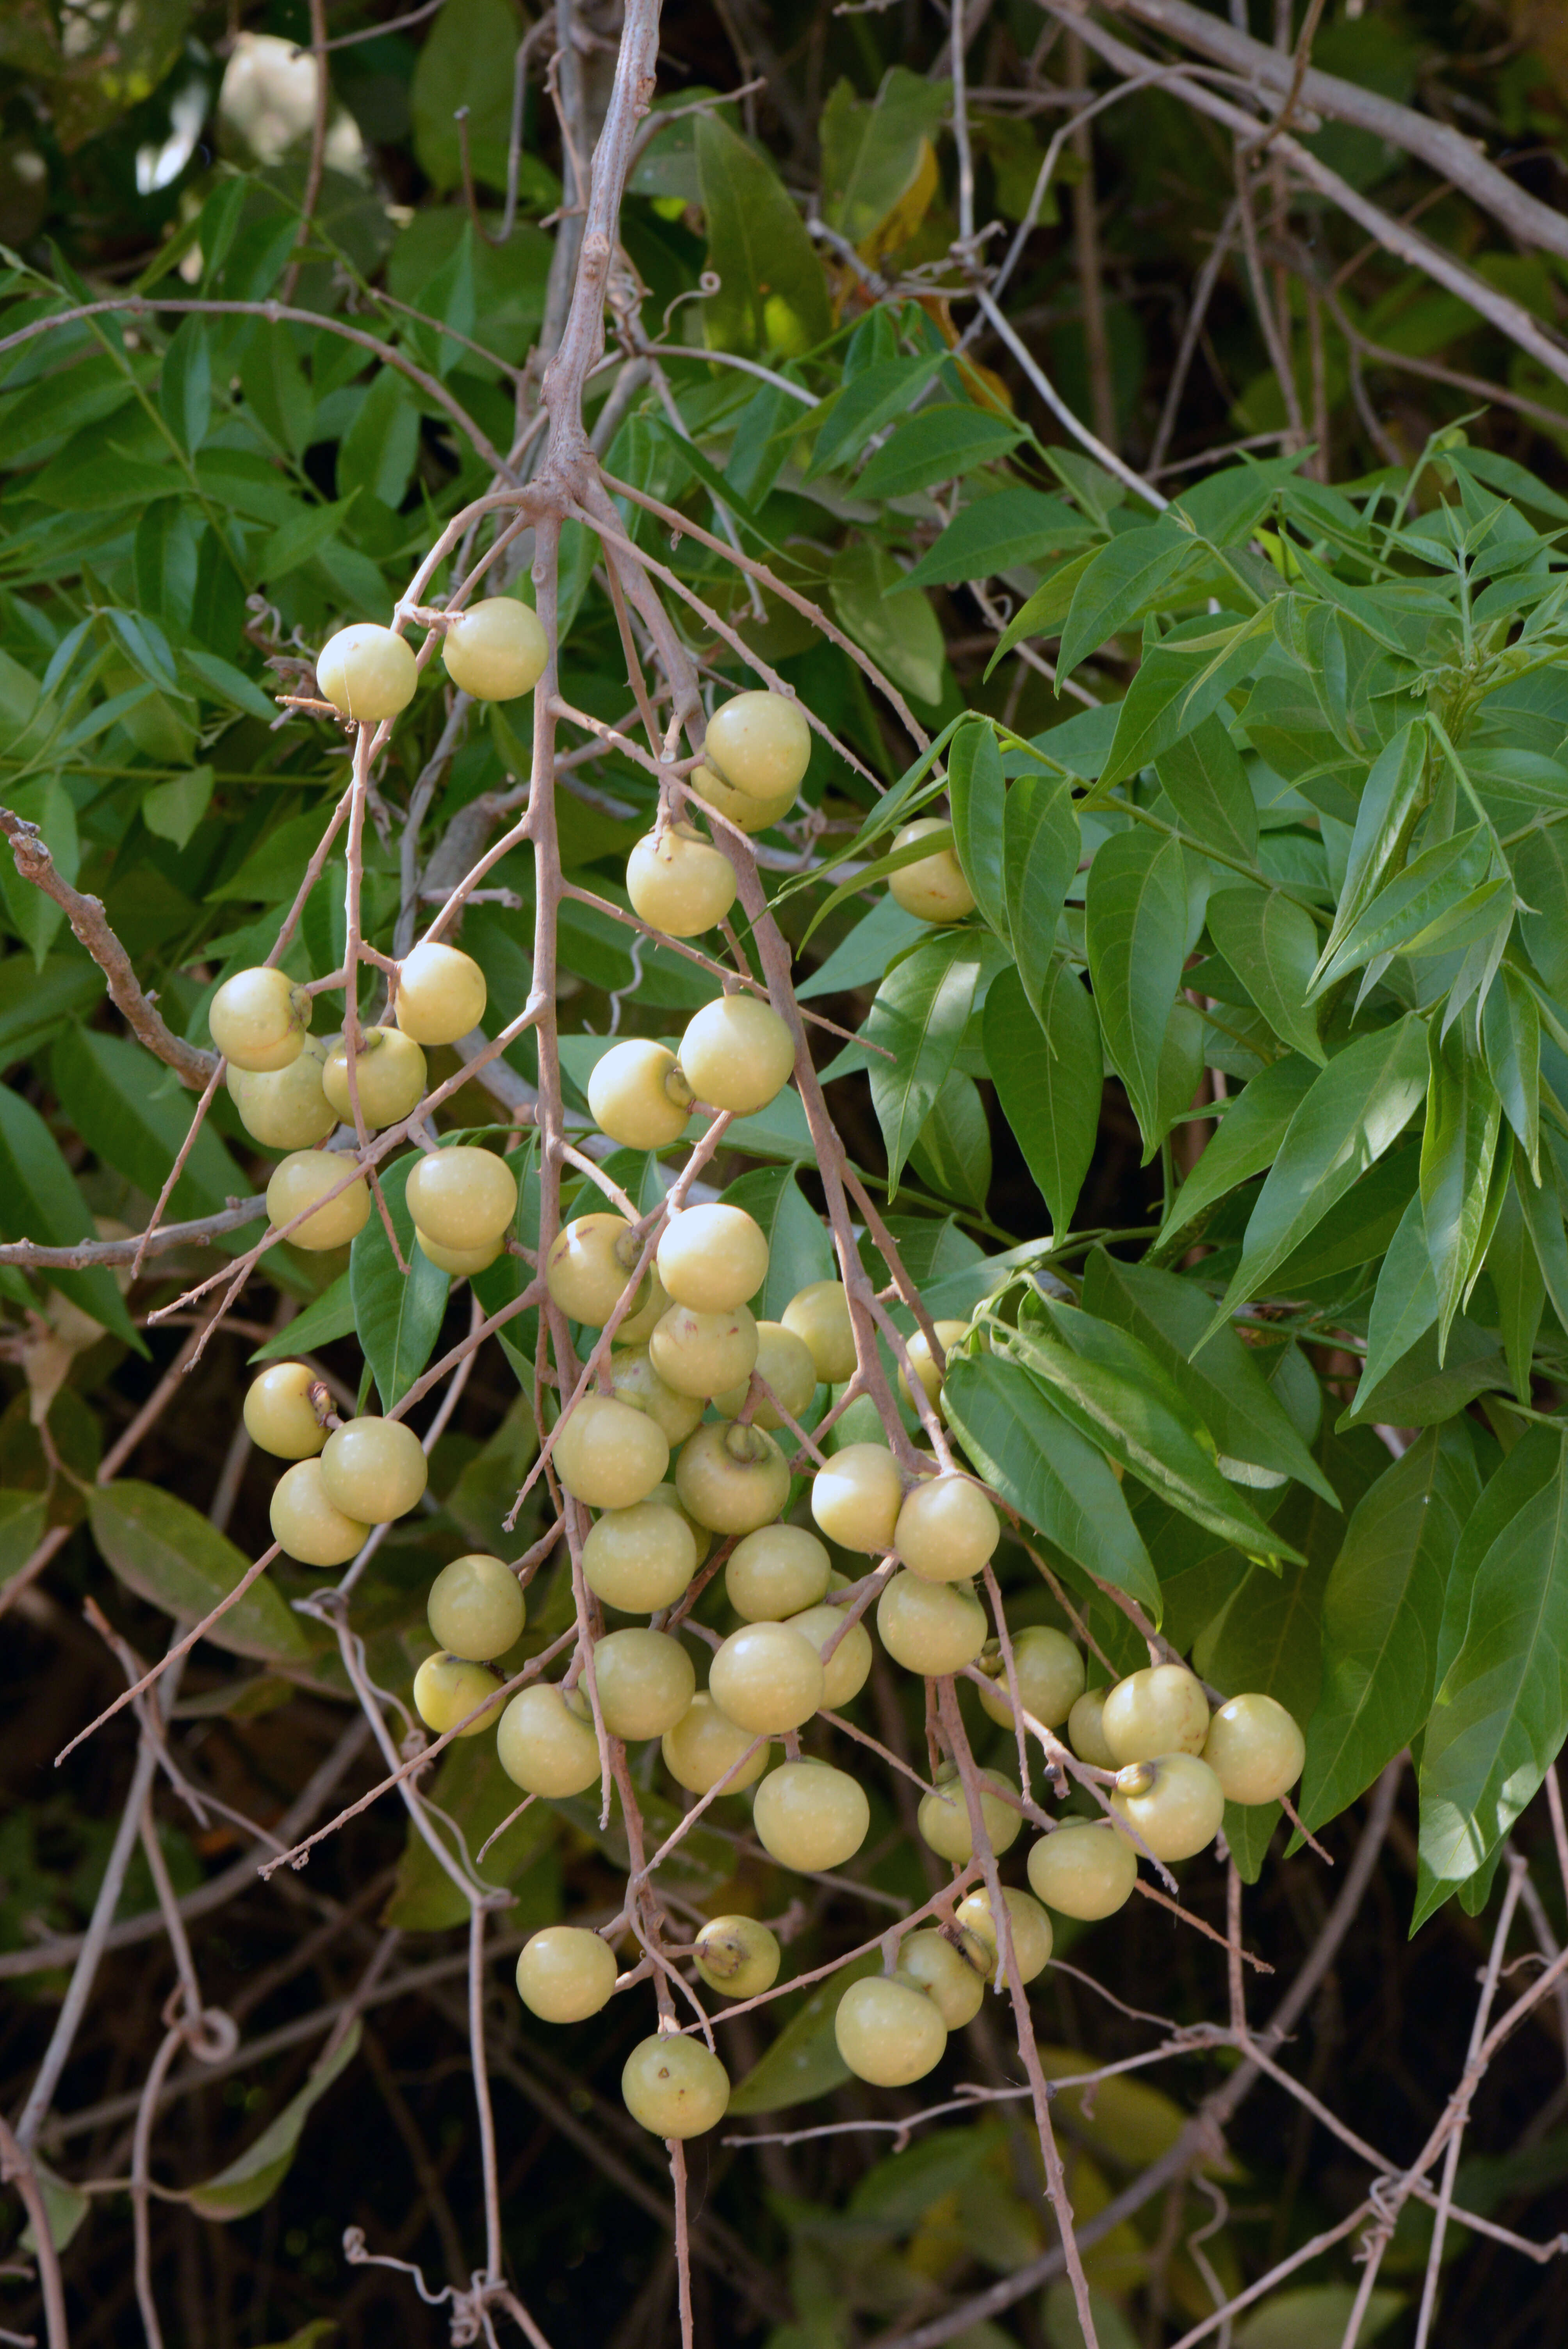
(1136, 932)
(1457, 1149)
(1405, 1302)
(1117, 1395)
(1543, 1206)
(936, 445)
(1047, 607)
(1223, 1380)
(1271, 944)
(1181, 680)
(396, 1315)
(919, 1014)
(1389, 798)
(772, 296)
(1118, 585)
(1038, 1461)
(1041, 847)
(977, 795)
(994, 534)
(1360, 1103)
(168, 1554)
(952, 1151)
(1049, 1081)
(1207, 785)
(1249, 1138)
(1516, 1284)
(255, 2177)
(327, 1317)
(1511, 1038)
(1501, 1709)
(1416, 910)
(1381, 1611)
(134, 1117)
(869, 402)
(39, 1201)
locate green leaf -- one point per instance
(1501, 1706)
(1180, 681)
(1543, 1206)
(1249, 1138)
(134, 1115)
(1520, 1292)
(34, 917)
(1222, 1377)
(1046, 609)
(1207, 785)
(465, 60)
(1415, 909)
(185, 384)
(1457, 1149)
(936, 445)
(1227, 507)
(397, 1316)
(1136, 931)
(1418, 1391)
(1035, 1458)
(905, 640)
(952, 1151)
(255, 2177)
(173, 810)
(1042, 844)
(1388, 802)
(35, 1001)
(64, 2208)
(977, 796)
(799, 1250)
(866, 404)
(168, 1554)
(39, 1201)
(1356, 1106)
(803, 2062)
(1511, 1038)
(877, 153)
(378, 452)
(919, 1014)
(865, 954)
(328, 1317)
(1381, 1612)
(1271, 944)
(1049, 1080)
(301, 539)
(1117, 1395)
(772, 299)
(277, 390)
(23, 1519)
(1405, 1304)
(1118, 585)
(1318, 2316)
(999, 534)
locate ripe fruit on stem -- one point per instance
(738, 1956)
(284, 1109)
(760, 744)
(888, 2032)
(810, 1816)
(856, 1498)
(674, 2087)
(257, 1019)
(932, 1627)
(923, 1361)
(736, 1054)
(1173, 1800)
(544, 1744)
(565, 1973)
(640, 1558)
(1032, 1935)
(308, 1524)
(1085, 1869)
(281, 1418)
(465, 1198)
(776, 1572)
(946, 1529)
(459, 1262)
(1255, 1749)
(1050, 1676)
(932, 888)
(819, 1313)
(1161, 1710)
(944, 1816)
(389, 1071)
(704, 1355)
(636, 1380)
(306, 1176)
(730, 1479)
(767, 1678)
(678, 882)
(369, 673)
(846, 1671)
(373, 1469)
(644, 1680)
(476, 1609)
(639, 1096)
(785, 1363)
(952, 1975)
(589, 1262)
(440, 993)
(712, 1257)
(704, 1743)
(1086, 1732)
(747, 813)
(608, 1453)
(496, 649)
(448, 1688)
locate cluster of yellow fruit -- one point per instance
(754, 757)
(345, 1477)
(495, 651)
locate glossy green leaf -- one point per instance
(465, 60)
(1207, 785)
(904, 637)
(1404, 1303)
(935, 445)
(1413, 909)
(396, 1315)
(1543, 1204)
(1119, 584)
(1457, 1149)
(326, 1318)
(1271, 944)
(134, 1116)
(34, 917)
(799, 1248)
(1248, 1140)
(1419, 1391)
(866, 404)
(23, 1519)
(1044, 612)
(998, 534)
(865, 954)
(1135, 929)
(773, 299)
(952, 1151)
(39, 1201)
(1387, 802)
(166, 1552)
(1511, 1040)
(173, 810)
(185, 384)
(977, 797)
(918, 1015)
(1516, 1284)
(1041, 846)
(1024, 1446)
(252, 2180)
(1048, 1079)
